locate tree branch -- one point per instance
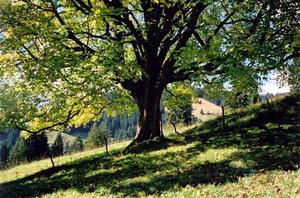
(199, 39)
(70, 116)
(220, 26)
(30, 53)
(124, 19)
(71, 35)
(82, 6)
(295, 54)
(189, 28)
(101, 109)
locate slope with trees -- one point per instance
(68, 55)
(256, 156)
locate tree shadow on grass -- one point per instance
(153, 145)
(268, 136)
(129, 175)
(146, 173)
(265, 145)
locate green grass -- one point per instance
(256, 155)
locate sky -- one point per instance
(271, 85)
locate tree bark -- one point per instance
(148, 101)
(161, 123)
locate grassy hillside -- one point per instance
(256, 155)
(209, 110)
(67, 139)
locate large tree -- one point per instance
(71, 52)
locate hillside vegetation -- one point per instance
(255, 155)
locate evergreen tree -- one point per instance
(94, 138)
(32, 148)
(98, 136)
(19, 152)
(119, 134)
(57, 147)
(77, 145)
(126, 125)
(38, 146)
(9, 137)
(4, 153)
(116, 123)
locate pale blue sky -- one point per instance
(272, 86)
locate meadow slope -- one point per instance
(255, 155)
(205, 110)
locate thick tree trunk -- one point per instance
(148, 101)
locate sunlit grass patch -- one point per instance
(268, 184)
(24, 170)
(258, 158)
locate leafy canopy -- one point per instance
(63, 62)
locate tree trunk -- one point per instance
(269, 105)
(223, 117)
(51, 158)
(106, 146)
(148, 101)
(174, 126)
(161, 123)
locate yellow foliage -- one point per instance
(9, 32)
(84, 117)
(25, 134)
(37, 124)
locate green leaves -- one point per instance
(74, 56)
(178, 100)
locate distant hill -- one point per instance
(9, 137)
(204, 110)
(67, 139)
